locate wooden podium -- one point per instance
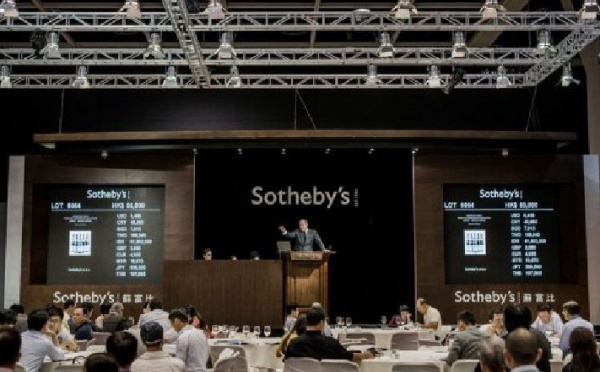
(306, 277)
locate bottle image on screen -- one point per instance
(474, 243)
(80, 243)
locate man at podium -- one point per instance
(304, 238)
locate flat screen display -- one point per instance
(105, 234)
(501, 233)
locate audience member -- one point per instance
(521, 351)
(548, 321)
(100, 362)
(104, 311)
(403, 317)
(35, 345)
(83, 326)
(466, 339)
(156, 314)
(326, 328)
(68, 310)
(155, 359)
(571, 312)
(496, 323)
(491, 354)
(8, 318)
(10, 348)
(432, 319)
(298, 330)
(55, 325)
(517, 315)
(313, 344)
(21, 323)
(123, 347)
(114, 317)
(292, 312)
(584, 351)
(207, 254)
(191, 345)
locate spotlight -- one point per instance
(154, 49)
(225, 50)
(434, 80)
(215, 10)
(283, 151)
(51, 50)
(240, 151)
(81, 81)
(171, 78)
(544, 45)
(327, 151)
(490, 9)
(590, 10)
(132, 9)
(459, 50)
(104, 154)
(234, 80)
(504, 152)
(455, 79)
(8, 9)
(361, 14)
(371, 151)
(5, 82)
(567, 76)
(502, 80)
(372, 79)
(404, 9)
(386, 50)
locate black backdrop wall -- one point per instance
(369, 227)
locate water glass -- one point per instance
(383, 319)
(348, 322)
(267, 331)
(246, 330)
(215, 330)
(339, 321)
(257, 331)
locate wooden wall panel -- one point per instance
(228, 291)
(430, 174)
(175, 172)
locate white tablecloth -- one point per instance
(260, 353)
(383, 337)
(385, 363)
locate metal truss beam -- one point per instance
(408, 81)
(568, 48)
(295, 21)
(278, 57)
(378, 21)
(178, 14)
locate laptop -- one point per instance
(283, 246)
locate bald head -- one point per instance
(521, 348)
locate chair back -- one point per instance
(81, 344)
(464, 365)
(338, 365)
(362, 338)
(69, 368)
(405, 341)
(216, 350)
(429, 343)
(417, 367)
(237, 363)
(301, 365)
(556, 365)
(100, 337)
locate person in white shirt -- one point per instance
(432, 319)
(10, 347)
(156, 314)
(155, 359)
(191, 345)
(548, 321)
(495, 325)
(292, 314)
(36, 343)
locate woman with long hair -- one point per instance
(584, 351)
(298, 329)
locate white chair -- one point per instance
(464, 365)
(405, 341)
(338, 365)
(416, 367)
(100, 337)
(556, 365)
(301, 365)
(69, 368)
(235, 364)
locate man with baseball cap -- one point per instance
(155, 359)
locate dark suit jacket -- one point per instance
(305, 242)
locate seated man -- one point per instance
(155, 358)
(466, 340)
(327, 328)
(36, 342)
(83, 326)
(548, 321)
(313, 344)
(571, 310)
(495, 325)
(432, 318)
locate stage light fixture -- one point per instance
(171, 78)
(372, 78)
(234, 80)
(589, 10)
(215, 10)
(434, 80)
(154, 49)
(459, 49)
(404, 9)
(132, 9)
(490, 9)
(386, 50)
(502, 81)
(225, 50)
(8, 9)
(5, 82)
(81, 81)
(544, 45)
(51, 50)
(567, 76)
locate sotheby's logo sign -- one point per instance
(314, 196)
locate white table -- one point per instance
(435, 355)
(383, 337)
